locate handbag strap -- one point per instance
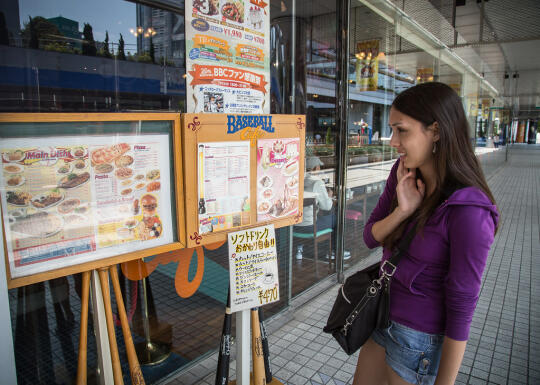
(388, 268)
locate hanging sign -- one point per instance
(367, 65)
(253, 268)
(424, 75)
(228, 63)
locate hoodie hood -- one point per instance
(472, 196)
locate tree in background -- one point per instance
(152, 51)
(4, 34)
(40, 32)
(105, 50)
(89, 44)
(121, 55)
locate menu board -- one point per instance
(253, 268)
(223, 185)
(228, 56)
(69, 200)
(277, 177)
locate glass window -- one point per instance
(374, 81)
(304, 82)
(91, 56)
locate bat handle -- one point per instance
(134, 367)
(83, 338)
(117, 369)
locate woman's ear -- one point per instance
(435, 127)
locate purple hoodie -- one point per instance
(437, 283)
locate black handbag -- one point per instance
(362, 303)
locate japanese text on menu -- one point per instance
(253, 268)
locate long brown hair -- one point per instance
(456, 164)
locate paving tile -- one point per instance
(328, 370)
(476, 381)
(481, 374)
(496, 379)
(343, 376)
(284, 374)
(298, 380)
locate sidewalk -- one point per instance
(504, 343)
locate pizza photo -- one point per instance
(110, 153)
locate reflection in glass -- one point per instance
(86, 56)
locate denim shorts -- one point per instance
(412, 354)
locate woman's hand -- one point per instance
(410, 190)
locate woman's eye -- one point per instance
(401, 130)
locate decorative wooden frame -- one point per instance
(178, 179)
(201, 128)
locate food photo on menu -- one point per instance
(277, 178)
(47, 199)
(76, 200)
(127, 185)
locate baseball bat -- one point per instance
(134, 367)
(117, 369)
(83, 338)
(256, 350)
(222, 373)
(266, 350)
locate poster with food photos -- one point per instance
(277, 178)
(228, 56)
(68, 200)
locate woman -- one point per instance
(436, 184)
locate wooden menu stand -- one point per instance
(134, 367)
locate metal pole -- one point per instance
(342, 97)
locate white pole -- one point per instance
(100, 329)
(243, 347)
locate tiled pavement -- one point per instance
(504, 343)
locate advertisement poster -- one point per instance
(228, 56)
(367, 65)
(223, 185)
(253, 268)
(72, 200)
(277, 178)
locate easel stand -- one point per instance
(253, 343)
(134, 368)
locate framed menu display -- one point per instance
(241, 171)
(85, 191)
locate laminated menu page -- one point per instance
(223, 185)
(69, 200)
(277, 178)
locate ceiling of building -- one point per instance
(498, 38)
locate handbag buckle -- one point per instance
(390, 266)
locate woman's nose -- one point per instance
(394, 140)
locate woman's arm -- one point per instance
(452, 354)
